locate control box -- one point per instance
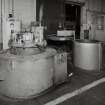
(60, 67)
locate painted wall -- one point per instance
(90, 11)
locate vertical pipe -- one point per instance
(34, 9)
(1, 46)
(9, 6)
(100, 55)
(13, 8)
(41, 14)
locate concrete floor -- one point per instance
(95, 96)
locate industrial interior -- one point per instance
(52, 52)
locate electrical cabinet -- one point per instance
(60, 63)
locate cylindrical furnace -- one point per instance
(87, 54)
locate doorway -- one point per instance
(73, 17)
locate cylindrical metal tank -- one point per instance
(87, 54)
(25, 76)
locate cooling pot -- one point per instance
(26, 76)
(87, 54)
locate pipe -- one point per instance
(41, 14)
(13, 8)
(1, 24)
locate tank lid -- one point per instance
(88, 41)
